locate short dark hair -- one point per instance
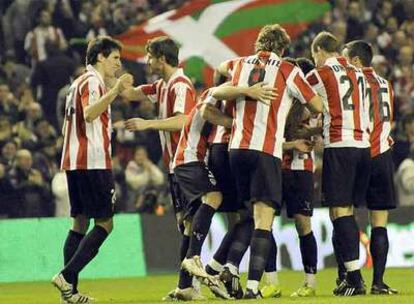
(361, 49)
(163, 46)
(325, 41)
(104, 45)
(302, 63)
(272, 38)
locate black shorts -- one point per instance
(297, 192)
(258, 177)
(345, 176)
(177, 197)
(219, 164)
(381, 191)
(195, 180)
(91, 193)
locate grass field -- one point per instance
(151, 289)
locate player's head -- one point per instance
(305, 64)
(105, 52)
(358, 53)
(161, 51)
(272, 38)
(324, 45)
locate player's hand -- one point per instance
(262, 93)
(124, 82)
(303, 145)
(136, 124)
(119, 125)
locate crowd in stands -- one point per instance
(42, 46)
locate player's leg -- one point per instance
(216, 265)
(242, 237)
(339, 261)
(309, 253)
(380, 199)
(93, 196)
(200, 189)
(259, 247)
(339, 180)
(272, 288)
(76, 234)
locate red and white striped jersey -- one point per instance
(193, 143)
(86, 145)
(298, 161)
(381, 108)
(221, 134)
(261, 127)
(345, 117)
(175, 96)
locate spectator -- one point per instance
(25, 129)
(404, 180)
(49, 82)
(8, 154)
(7, 194)
(382, 14)
(8, 103)
(144, 180)
(16, 25)
(16, 73)
(6, 131)
(36, 39)
(354, 25)
(402, 145)
(34, 195)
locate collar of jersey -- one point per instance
(91, 69)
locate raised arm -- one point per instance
(94, 110)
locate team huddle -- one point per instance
(245, 147)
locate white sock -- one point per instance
(272, 278)
(253, 285)
(352, 265)
(196, 284)
(310, 280)
(216, 266)
(233, 269)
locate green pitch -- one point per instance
(151, 289)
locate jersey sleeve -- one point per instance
(90, 92)
(299, 87)
(183, 98)
(151, 91)
(315, 80)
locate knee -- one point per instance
(213, 199)
(303, 224)
(263, 216)
(107, 224)
(80, 224)
(337, 212)
(378, 218)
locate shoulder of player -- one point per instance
(180, 80)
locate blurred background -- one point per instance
(42, 49)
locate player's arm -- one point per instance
(171, 124)
(135, 94)
(222, 73)
(301, 145)
(215, 116)
(94, 110)
(260, 92)
(315, 105)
